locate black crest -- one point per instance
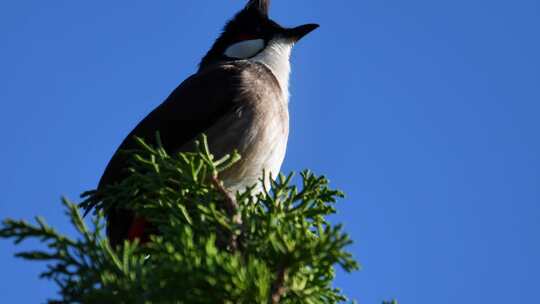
(262, 6)
(252, 22)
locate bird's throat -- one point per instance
(276, 56)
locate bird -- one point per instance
(238, 98)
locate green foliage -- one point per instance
(212, 247)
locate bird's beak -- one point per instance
(299, 32)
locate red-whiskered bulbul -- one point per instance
(238, 97)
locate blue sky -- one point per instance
(424, 112)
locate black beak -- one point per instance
(299, 32)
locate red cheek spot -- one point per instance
(243, 37)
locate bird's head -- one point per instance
(250, 32)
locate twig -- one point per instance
(278, 288)
(231, 206)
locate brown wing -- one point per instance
(191, 109)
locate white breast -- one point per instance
(262, 127)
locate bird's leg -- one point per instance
(231, 206)
(278, 287)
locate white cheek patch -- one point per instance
(245, 49)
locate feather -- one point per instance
(263, 6)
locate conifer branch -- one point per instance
(287, 253)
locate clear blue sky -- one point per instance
(426, 113)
